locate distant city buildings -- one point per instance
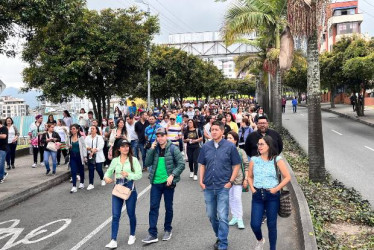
(11, 107)
(343, 19)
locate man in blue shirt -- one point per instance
(220, 163)
(132, 109)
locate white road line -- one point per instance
(369, 148)
(105, 223)
(336, 132)
(302, 114)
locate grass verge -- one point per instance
(341, 218)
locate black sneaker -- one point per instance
(53, 172)
(150, 239)
(47, 173)
(167, 236)
(13, 166)
(8, 167)
(216, 244)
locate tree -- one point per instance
(99, 56)
(296, 77)
(303, 19)
(267, 18)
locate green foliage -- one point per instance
(330, 203)
(100, 55)
(296, 77)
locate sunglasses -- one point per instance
(172, 119)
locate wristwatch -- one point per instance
(232, 183)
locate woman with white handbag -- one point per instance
(127, 170)
(49, 140)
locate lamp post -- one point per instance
(148, 54)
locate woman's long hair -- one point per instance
(118, 153)
(124, 130)
(78, 130)
(269, 141)
(235, 136)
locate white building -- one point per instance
(210, 47)
(11, 107)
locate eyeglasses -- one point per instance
(260, 144)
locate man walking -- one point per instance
(3, 148)
(168, 164)
(140, 127)
(130, 127)
(220, 163)
(284, 101)
(294, 104)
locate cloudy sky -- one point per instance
(176, 16)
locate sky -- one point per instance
(176, 16)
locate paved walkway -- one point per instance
(347, 111)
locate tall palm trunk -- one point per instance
(277, 103)
(317, 171)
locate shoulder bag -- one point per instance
(148, 144)
(285, 205)
(52, 146)
(92, 160)
(121, 191)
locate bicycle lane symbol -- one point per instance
(13, 232)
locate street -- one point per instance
(348, 145)
(83, 220)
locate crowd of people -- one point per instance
(227, 143)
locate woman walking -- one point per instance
(95, 145)
(36, 131)
(13, 135)
(244, 130)
(78, 156)
(117, 134)
(263, 181)
(63, 132)
(127, 170)
(231, 122)
(193, 137)
(67, 118)
(49, 140)
(235, 193)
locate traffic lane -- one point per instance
(346, 158)
(191, 227)
(85, 209)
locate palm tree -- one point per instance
(305, 18)
(267, 18)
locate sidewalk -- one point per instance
(346, 111)
(24, 181)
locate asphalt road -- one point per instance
(82, 221)
(349, 148)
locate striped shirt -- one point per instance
(173, 132)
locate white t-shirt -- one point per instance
(11, 134)
(131, 131)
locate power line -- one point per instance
(368, 3)
(187, 25)
(366, 13)
(165, 17)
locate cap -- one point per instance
(161, 131)
(124, 142)
(172, 116)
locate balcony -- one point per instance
(345, 19)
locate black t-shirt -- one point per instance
(139, 130)
(4, 142)
(194, 135)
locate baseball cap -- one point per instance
(161, 131)
(125, 142)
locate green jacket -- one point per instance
(171, 168)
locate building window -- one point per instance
(347, 28)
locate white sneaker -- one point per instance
(132, 239)
(191, 174)
(81, 185)
(112, 244)
(78, 178)
(106, 166)
(195, 177)
(103, 183)
(73, 190)
(90, 187)
(33, 165)
(71, 179)
(260, 244)
(42, 164)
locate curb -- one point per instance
(24, 195)
(303, 218)
(343, 115)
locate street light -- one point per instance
(148, 54)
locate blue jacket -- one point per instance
(294, 102)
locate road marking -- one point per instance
(369, 148)
(104, 224)
(302, 114)
(336, 132)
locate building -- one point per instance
(210, 47)
(343, 19)
(11, 107)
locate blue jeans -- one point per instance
(262, 200)
(53, 154)
(91, 171)
(11, 153)
(143, 151)
(2, 163)
(76, 166)
(117, 204)
(217, 209)
(157, 191)
(134, 146)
